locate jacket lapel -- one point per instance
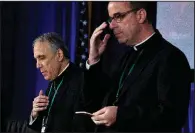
(147, 55)
(63, 88)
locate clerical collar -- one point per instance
(64, 69)
(136, 46)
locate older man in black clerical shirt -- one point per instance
(55, 110)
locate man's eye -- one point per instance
(41, 58)
(118, 16)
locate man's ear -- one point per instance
(141, 15)
(60, 55)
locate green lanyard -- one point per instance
(130, 71)
(54, 94)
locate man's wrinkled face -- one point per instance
(46, 60)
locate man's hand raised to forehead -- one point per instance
(97, 46)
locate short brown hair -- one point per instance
(149, 6)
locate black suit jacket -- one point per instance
(154, 97)
(67, 101)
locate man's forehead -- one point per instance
(41, 44)
(117, 7)
(41, 48)
(119, 4)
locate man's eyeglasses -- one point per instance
(118, 17)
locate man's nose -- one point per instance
(38, 65)
(112, 24)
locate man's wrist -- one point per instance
(33, 115)
(88, 66)
(92, 61)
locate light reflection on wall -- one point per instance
(175, 21)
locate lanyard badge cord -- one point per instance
(45, 118)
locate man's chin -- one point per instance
(46, 78)
(122, 41)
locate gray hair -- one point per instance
(55, 42)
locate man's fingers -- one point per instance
(108, 124)
(40, 92)
(37, 105)
(99, 112)
(41, 101)
(95, 35)
(41, 97)
(106, 38)
(98, 117)
(100, 122)
(39, 109)
(101, 27)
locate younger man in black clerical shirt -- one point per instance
(147, 91)
(54, 111)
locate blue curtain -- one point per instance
(191, 116)
(189, 127)
(60, 17)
